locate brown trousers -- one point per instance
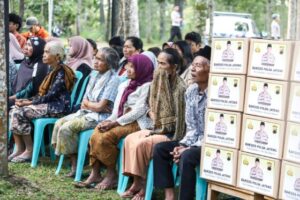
(103, 146)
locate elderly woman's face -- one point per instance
(49, 58)
(28, 50)
(163, 63)
(129, 49)
(100, 64)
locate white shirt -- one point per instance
(175, 17)
(275, 30)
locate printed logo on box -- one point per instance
(257, 174)
(295, 108)
(225, 92)
(291, 183)
(293, 144)
(218, 165)
(228, 56)
(261, 137)
(221, 129)
(265, 99)
(268, 59)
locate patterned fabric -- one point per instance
(65, 133)
(57, 98)
(21, 117)
(194, 116)
(136, 104)
(167, 104)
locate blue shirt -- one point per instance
(194, 116)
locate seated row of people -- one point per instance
(133, 98)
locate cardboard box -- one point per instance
(218, 164)
(294, 103)
(289, 181)
(226, 92)
(266, 98)
(292, 143)
(262, 136)
(223, 128)
(270, 59)
(258, 174)
(229, 56)
(295, 73)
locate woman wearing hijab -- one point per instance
(32, 71)
(80, 58)
(128, 116)
(96, 106)
(166, 109)
(53, 100)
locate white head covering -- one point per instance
(152, 57)
(15, 51)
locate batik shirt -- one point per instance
(194, 116)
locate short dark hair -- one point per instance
(262, 123)
(265, 84)
(92, 42)
(269, 45)
(155, 50)
(221, 115)
(136, 42)
(174, 58)
(16, 19)
(256, 159)
(218, 151)
(186, 54)
(193, 36)
(225, 79)
(228, 42)
(116, 41)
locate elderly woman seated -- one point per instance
(96, 106)
(53, 100)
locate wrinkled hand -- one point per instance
(23, 102)
(84, 104)
(107, 125)
(177, 151)
(151, 115)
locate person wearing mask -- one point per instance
(185, 152)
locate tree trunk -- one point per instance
(107, 33)
(79, 2)
(298, 21)
(211, 9)
(292, 20)
(115, 17)
(149, 13)
(3, 91)
(21, 8)
(120, 19)
(102, 16)
(162, 11)
(131, 18)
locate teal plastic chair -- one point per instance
(41, 123)
(84, 137)
(82, 91)
(122, 180)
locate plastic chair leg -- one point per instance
(150, 181)
(51, 149)
(84, 138)
(38, 137)
(201, 186)
(60, 163)
(122, 180)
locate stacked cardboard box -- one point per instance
(264, 122)
(225, 102)
(290, 169)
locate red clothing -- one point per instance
(21, 39)
(42, 33)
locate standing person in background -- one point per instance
(35, 29)
(176, 22)
(275, 27)
(15, 25)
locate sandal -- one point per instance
(140, 195)
(20, 160)
(110, 186)
(129, 193)
(81, 184)
(71, 174)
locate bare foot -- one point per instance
(13, 155)
(108, 183)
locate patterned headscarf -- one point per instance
(82, 52)
(143, 68)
